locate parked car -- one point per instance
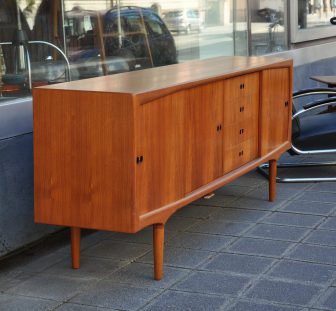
(134, 38)
(186, 21)
(141, 37)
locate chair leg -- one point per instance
(263, 169)
(158, 244)
(75, 247)
(272, 180)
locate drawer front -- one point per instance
(241, 86)
(240, 132)
(241, 154)
(241, 109)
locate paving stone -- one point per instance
(19, 303)
(179, 224)
(255, 306)
(238, 215)
(315, 196)
(303, 271)
(324, 186)
(291, 219)
(117, 250)
(181, 301)
(249, 180)
(38, 263)
(91, 268)
(208, 242)
(220, 227)
(328, 300)
(313, 208)
(86, 241)
(238, 263)
(107, 294)
(314, 253)
(8, 281)
(330, 224)
(217, 200)
(212, 283)
(259, 247)
(179, 257)
(251, 203)
(321, 237)
(139, 274)
(196, 211)
(284, 292)
(79, 307)
(263, 194)
(234, 190)
(50, 287)
(285, 233)
(144, 236)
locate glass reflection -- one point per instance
(268, 26)
(104, 37)
(315, 13)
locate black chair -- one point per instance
(313, 132)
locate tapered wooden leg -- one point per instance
(75, 247)
(272, 179)
(158, 242)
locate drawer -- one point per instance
(242, 85)
(237, 133)
(240, 154)
(246, 107)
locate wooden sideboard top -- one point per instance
(148, 84)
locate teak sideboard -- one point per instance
(125, 151)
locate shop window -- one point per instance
(268, 24)
(310, 19)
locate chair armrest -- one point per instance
(314, 91)
(322, 102)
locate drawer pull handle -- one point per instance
(241, 109)
(219, 127)
(286, 103)
(241, 153)
(139, 159)
(242, 86)
(241, 131)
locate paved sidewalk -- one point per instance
(233, 252)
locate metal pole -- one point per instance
(63, 23)
(119, 25)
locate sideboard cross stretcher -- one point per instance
(126, 151)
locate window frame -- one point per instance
(309, 34)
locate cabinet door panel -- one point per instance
(204, 135)
(160, 140)
(241, 154)
(275, 108)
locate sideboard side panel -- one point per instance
(275, 109)
(84, 159)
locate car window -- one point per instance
(111, 25)
(135, 23)
(154, 24)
